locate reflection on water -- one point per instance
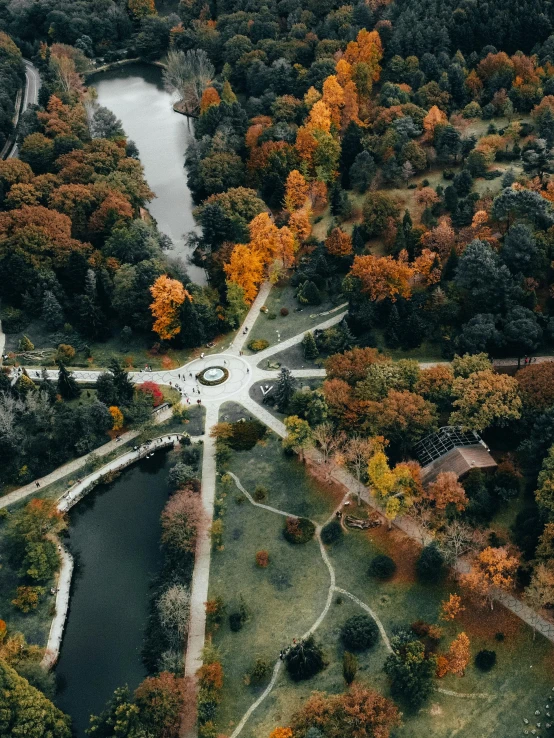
(114, 535)
(135, 93)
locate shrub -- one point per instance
(331, 532)
(304, 660)
(382, 567)
(271, 316)
(448, 174)
(245, 435)
(25, 344)
(349, 667)
(359, 633)
(13, 320)
(235, 621)
(284, 311)
(298, 530)
(258, 344)
(65, 353)
(260, 493)
(485, 660)
(262, 559)
(430, 564)
(258, 673)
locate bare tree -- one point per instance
(459, 539)
(188, 74)
(357, 452)
(330, 445)
(9, 408)
(174, 610)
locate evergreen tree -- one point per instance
(67, 384)
(285, 389)
(358, 241)
(124, 388)
(412, 333)
(311, 351)
(393, 329)
(48, 386)
(52, 313)
(309, 294)
(451, 265)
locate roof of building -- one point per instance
(459, 460)
(437, 444)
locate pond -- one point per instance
(114, 536)
(136, 94)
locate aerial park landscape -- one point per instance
(277, 369)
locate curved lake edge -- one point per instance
(66, 502)
(133, 90)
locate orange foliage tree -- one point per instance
(299, 224)
(351, 366)
(382, 277)
(446, 490)
(210, 97)
(338, 243)
(458, 655)
(281, 733)
(434, 118)
(493, 568)
(452, 607)
(169, 294)
(117, 417)
(246, 269)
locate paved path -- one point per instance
(201, 575)
(76, 464)
(241, 338)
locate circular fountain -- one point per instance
(213, 375)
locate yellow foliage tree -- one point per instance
(434, 118)
(319, 118)
(169, 294)
(311, 97)
(246, 269)
(117, 417)
(296, 191)
(492, 569)
(299, 224)
(333, 97)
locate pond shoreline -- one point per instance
(65, 503)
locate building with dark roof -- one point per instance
(451, 449)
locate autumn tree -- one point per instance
(351, 366)
(246, 269)
(395, 488)
(492, 569)
(281, 733)
(210, 97)
(117, 417)
(169, 294)
(360, 713)
(484, 399)
(536, 385)
(435, 117)
(446, 490)
(452, 607)
(299, 435)
(160, 700)
(296, 191)
(338, 243)
(181, 520)
(458, 655)
(382, 277)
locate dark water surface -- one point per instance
(135, 93)
(114, 535)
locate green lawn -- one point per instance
(287, 596)
(291, 324)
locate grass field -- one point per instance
(291, 324)
(285, 598)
